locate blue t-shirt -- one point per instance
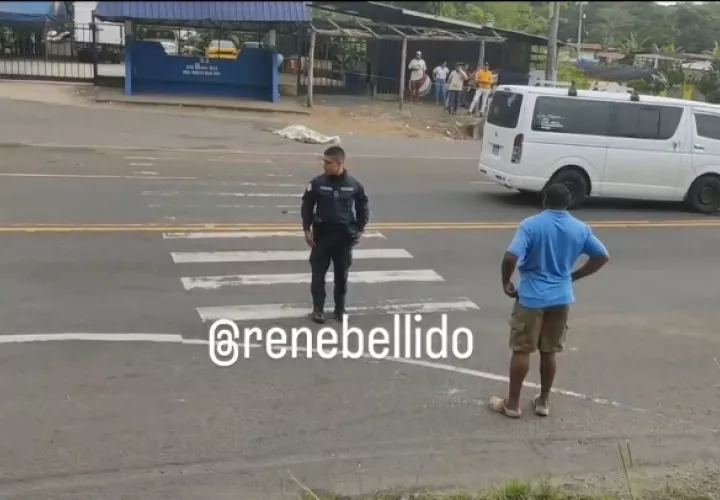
(548, 246)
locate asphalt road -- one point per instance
(103, 242)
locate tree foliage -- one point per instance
(637, 25)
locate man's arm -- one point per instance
(362, 208)
(516, 251)
(309, 201)
(598, 254)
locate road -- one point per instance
(114, 237)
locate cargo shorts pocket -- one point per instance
(521, 335)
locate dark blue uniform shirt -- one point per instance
(329, 201)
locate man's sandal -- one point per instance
(498, 404)
(540, 410)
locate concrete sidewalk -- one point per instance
(286, 105)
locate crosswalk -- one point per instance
(256, 276)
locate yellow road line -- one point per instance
(209, 227)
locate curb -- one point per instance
(225, 107)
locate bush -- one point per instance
(569, 72)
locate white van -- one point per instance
(603, 144)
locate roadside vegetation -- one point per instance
(518, 490)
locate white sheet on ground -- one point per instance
(303, 134)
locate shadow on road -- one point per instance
(609, 205)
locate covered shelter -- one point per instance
(19, 14)
(252, 74)
(438, 38)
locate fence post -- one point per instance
(403, 63)
(311, 69)
(93, 28)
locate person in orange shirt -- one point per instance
(484, 78)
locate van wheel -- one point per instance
(704, 195)
(575, 181)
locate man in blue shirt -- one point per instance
(545, 249)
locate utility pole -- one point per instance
(552, 49)
(580, 29)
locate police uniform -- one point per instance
(327, 208)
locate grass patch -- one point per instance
(519, 490)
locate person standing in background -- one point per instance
(455, 88)
(440, 75)
(417, 69)
(484, 79)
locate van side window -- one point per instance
(570, 115)
(669, 121)
(638, 121)
(505, 109)
(708, 126)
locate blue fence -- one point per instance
(254, 74)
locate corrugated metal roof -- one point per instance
(201, 14)
(32, 12)
(393, 14)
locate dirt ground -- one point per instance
(332, 115)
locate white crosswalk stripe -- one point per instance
(260, 268)
(215, 282)
(283, 311)
(280, 255)
(251, 234)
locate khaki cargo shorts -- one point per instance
(543, 329)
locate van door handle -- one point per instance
(699, 147)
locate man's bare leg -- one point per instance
(548, 367)
(519, 367)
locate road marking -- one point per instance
(145, 172)
(264, 161)
(239, 195)
(171, 206)
(109, 147)
(482, 182)
(179, 339)
(260, 312)
(106, 337)
(141, 158)
(280, 255)
(251, 234)
(283, 226)
(216, 282)
(141, 164)
(265, 184)
(90, 176)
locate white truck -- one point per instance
(110, 37)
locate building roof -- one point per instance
(381, 31)
(32, 12)
(203, 14)
(391, 14)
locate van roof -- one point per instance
(601, 95)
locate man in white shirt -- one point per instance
(440, 75)
(417, 69)
(455, 88)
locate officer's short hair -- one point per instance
(335, 152)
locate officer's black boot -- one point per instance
(339, 309)
(318, 315)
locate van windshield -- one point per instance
(505, 109)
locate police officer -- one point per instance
(332, 229)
